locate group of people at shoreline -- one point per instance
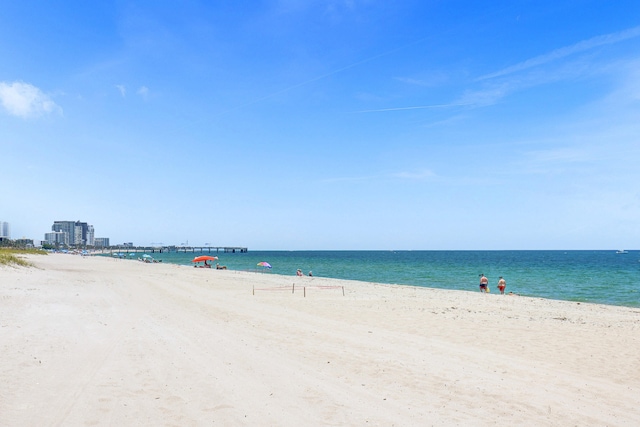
(207, 264)
(299, 273)
(484, 284)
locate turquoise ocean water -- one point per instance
(590, 276)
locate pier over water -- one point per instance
(168, 249)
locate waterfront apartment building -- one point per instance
(89, 238)
(78, 233)
(57, 238)
(5, 230)
(101, 242)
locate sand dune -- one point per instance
(99, 341)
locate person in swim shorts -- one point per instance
(502, 284)
(484, 282)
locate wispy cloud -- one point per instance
(491, 93)
(559, 155)
(483, 97)
(492, 89)
(25, 100)
(122, 89)
(566, 51)
(419, 175)
(628, 93)
(143, 92)
(428, 79)
(349, 179)
(530, 73)
(333, 10)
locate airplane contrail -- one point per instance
(324, 76)
(419, 107)
(353, 65)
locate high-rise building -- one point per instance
(90, 239)
(67, 227)
(79, 233)
(57, 238)
(5, 229)
(101, 242)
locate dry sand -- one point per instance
(99, 341)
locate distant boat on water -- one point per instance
(622, 251)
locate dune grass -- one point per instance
(10, 256)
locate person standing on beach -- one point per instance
(484, 282)
(502, 284)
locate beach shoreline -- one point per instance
(598, 276)
(100, 341)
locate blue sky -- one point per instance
(326, 124)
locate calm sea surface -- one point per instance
(591, 276)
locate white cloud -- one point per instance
(25, 100)
(122, 89)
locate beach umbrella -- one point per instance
(204, 258)
(264, 264)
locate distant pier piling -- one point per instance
(177, 249)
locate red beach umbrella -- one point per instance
(204, 258)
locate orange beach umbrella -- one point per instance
(204, 258)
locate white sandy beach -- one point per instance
(106, 342)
